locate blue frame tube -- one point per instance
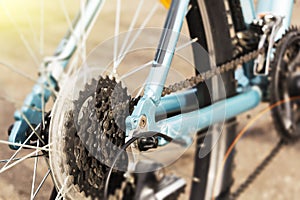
(189, 123)
(160, 68)
(165, 50)
(177, 103)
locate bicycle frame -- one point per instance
(187, 123)
(151, 104)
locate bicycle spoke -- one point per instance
(21, 160)
(30, 155)
(31, 127)
(117, 30)
(67, 17)
(44, 148)
(17, 71)
(30, 51)
(3, 169)
(141, 67)
(16, 159)
(43, 107)
(186, 44)
(41, 184)
(143, 25)
(16, 104)
(60, 193)
(43, 98)
(136, 70)
(75, 60)
(27, 121)
(132, 25)
(17, 151)
(82, 40)
(25, 75)
(34, 173)
(29, 21)
(21, 35)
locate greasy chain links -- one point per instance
(195, 80)
(102, 122)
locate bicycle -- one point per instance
(106, 135)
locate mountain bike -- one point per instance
(120, 116)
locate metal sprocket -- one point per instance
(285, 86)
(95, 133)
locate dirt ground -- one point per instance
(280, 181)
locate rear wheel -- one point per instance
(213, 32)
(132, 45)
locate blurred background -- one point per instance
(30, 30)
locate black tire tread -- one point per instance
(224, 52)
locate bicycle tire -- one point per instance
(218, 40)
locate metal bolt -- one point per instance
(159, 174)
(143, 121)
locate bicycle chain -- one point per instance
(202, 77)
